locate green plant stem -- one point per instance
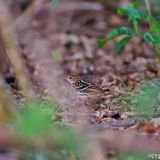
(135, 26)
(149, 12)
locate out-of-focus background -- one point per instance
(108, 45)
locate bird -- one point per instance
(86, 89)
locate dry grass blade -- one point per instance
(12, 51)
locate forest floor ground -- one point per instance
(61, 40)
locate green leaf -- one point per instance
(113, 34)
(122, 11)
(118, 47)
(56, 56)
(155, 26)
(148, 37)
(132, 12)
(118, 31)
(157, 42)
(135, 14)
(101, 42)
(135, 5)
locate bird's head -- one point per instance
(73, 79)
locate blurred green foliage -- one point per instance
(134, 16)
(39, 122)
(56, 56)
(144, 101)
(32, 122)
(36, 117)
(147, 97)
(154, 5)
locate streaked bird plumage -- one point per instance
(86, 89)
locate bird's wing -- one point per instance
(92, 91)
